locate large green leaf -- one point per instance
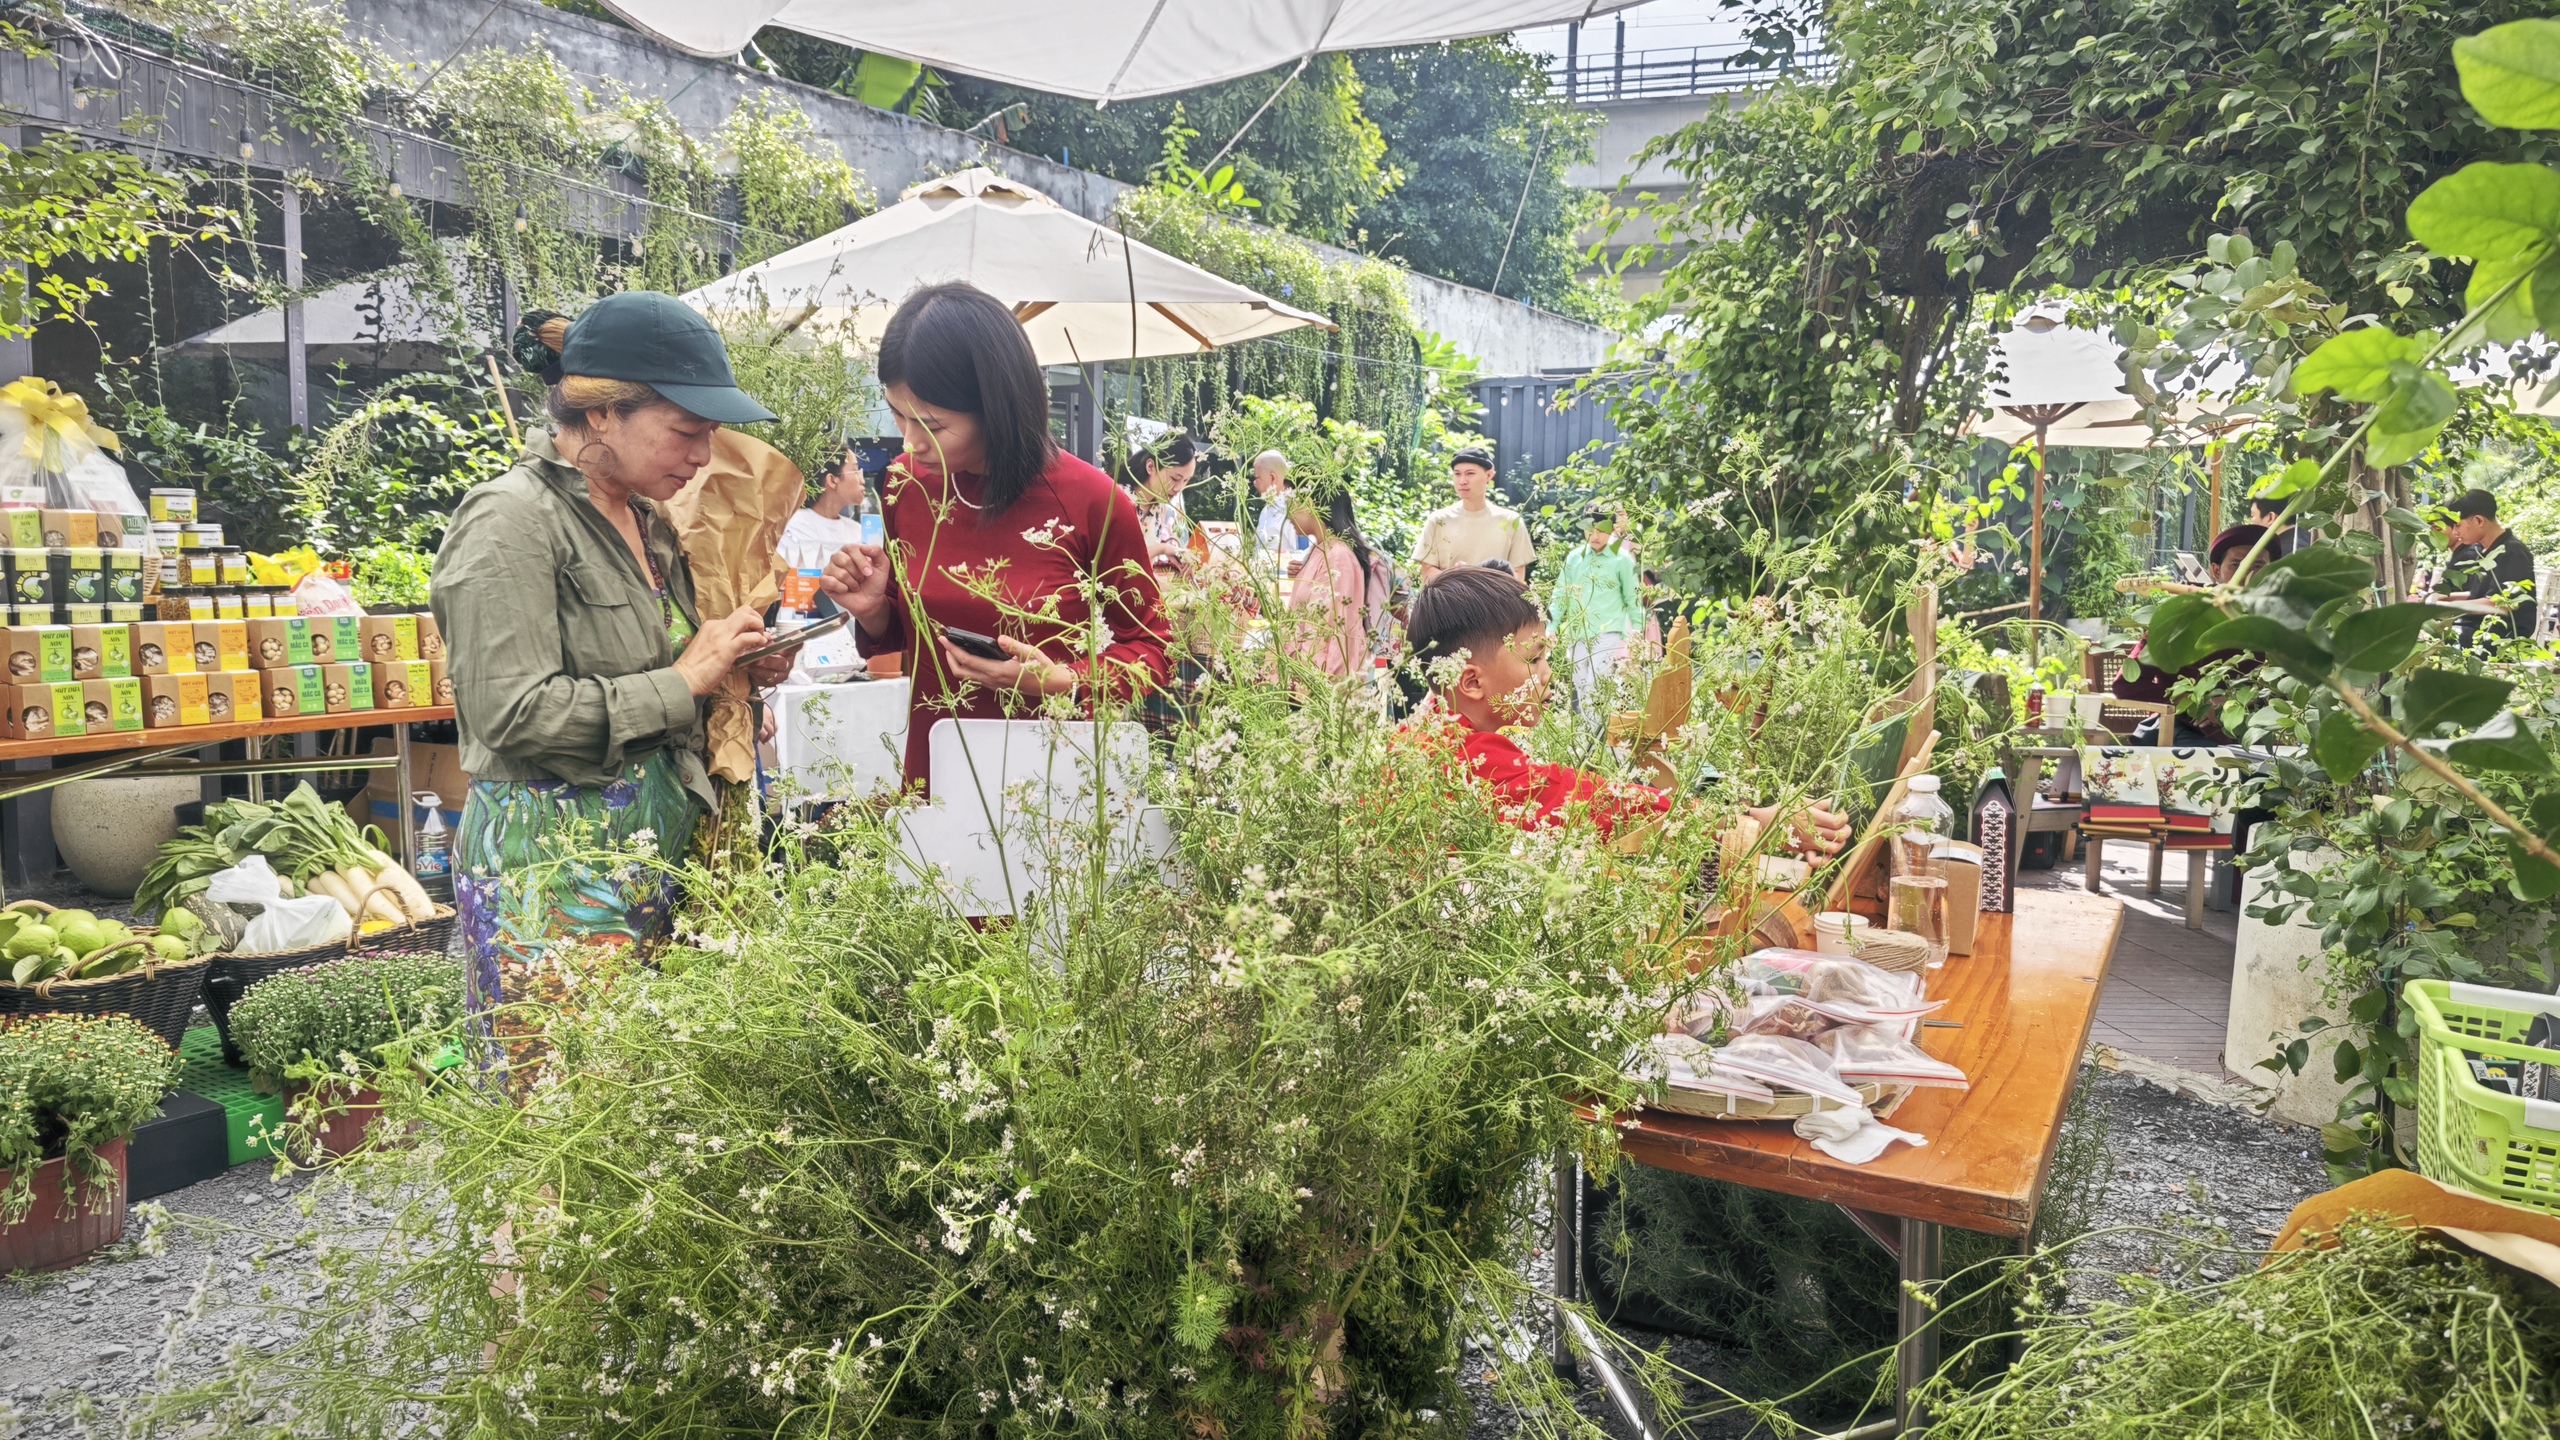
(2488, 212)
(2291, 480)
(2177, 626)
(2316, 575)
(2511, 74)
(2357, 364)
(2502, 744)
(2449, 697)
(2376, 640)
(2343, 746)
(2291, 645)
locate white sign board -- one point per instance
(1013, 799)
(840, 742)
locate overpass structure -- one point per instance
(1643, 95)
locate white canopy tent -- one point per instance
(1083, 293)
(388, 320)
(1101, 50)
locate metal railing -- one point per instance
(1698, 70)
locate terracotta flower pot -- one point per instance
(346, 1124)
(47, 1241)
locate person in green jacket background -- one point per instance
(1598, 605)
(579, 662)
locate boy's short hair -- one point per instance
(2475, 504)
(1467, 610)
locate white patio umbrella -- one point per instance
(1100, 49)
(1082, 292)
(2048, 373)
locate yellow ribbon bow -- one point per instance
(54, 417)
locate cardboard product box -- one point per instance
(295, 690)
(38, 654)
(403, 685)
(430, 639)
(173, 700)
(22, 528)
(101, 652)
(439, 684)
(32, 711)
(347, 687)
(336, 639)
(388, 638)
(79, 614)
(207, 649)
(31, 579)
(164, 647)
(123, 532)
(275, 642)
(231, 644)
(112, 704)
(433, 769)
(1960, 865)
(236, 697)
(80, 576)
(71, 528)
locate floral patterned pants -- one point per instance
(548, 921)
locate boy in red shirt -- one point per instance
(1483, 645)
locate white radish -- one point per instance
(413, 896)
(333, 885)
(377, 898)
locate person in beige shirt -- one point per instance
(1474, 530)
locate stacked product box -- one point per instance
(80, 679)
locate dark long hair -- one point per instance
(1172, 449)
(1344, 522)
(958, 348)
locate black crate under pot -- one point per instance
(186, 1142)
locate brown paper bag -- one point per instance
(730, 520)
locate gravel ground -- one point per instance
(71, 1343)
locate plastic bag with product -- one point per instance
(1872, 1053)
(1781, 1063)
(283, 924)
(1684, 1064)
(1851, 991)
(317, 595)
(1790, 1015)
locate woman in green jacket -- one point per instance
(579, 663)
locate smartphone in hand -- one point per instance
(982, 646)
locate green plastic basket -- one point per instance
(247, 1116)
(2469, 1135)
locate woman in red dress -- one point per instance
(987, 526)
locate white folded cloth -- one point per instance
(1851, 1135)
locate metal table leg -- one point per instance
(1923, 1262)
(1564, 1245)
(400, 810)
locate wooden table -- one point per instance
(157, 752)
(2025, 999)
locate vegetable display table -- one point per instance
(2017, 1017)
(164, 752)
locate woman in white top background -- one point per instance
(833, 518)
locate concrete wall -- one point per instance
(1628, 126)
(895, 151)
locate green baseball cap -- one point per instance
(664, 343)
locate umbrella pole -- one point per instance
(2035, 562)
(2213, 458)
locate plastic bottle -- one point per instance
(2035, 705)
(1923, 820)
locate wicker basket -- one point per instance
(418, 937)
(230, 976)
(1880, 1098)
(161, 997)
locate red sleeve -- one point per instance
(1134, 662)
(1533, 795)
